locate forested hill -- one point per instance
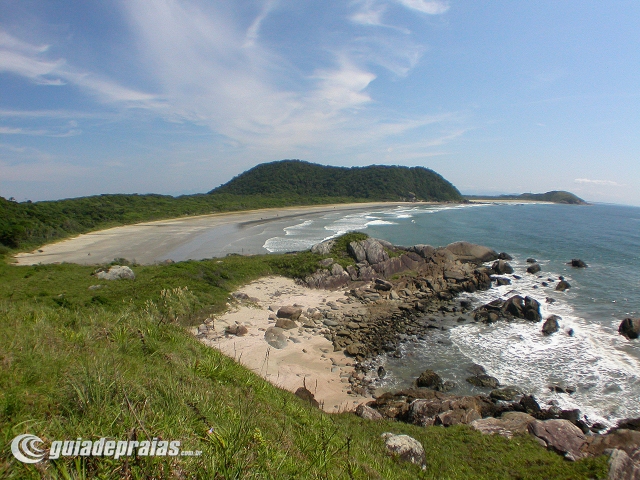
(555, 196)
(376, 182)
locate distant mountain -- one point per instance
(376, 182)
(554, 196)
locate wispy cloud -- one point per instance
(433, 7)
(30, 61)
(608, 183)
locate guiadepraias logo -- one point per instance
(24, 449)
(27, 448)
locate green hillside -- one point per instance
(376, 182)
(554, 196)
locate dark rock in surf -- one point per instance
(501, 267)
(577, 263)
(630, 328)
(505, 394)
(551, 325)
(533, 268)
(484, 380)
(429, 379)
(504, 256)
(562, 286)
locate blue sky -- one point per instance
(178, 96)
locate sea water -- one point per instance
(587, 353)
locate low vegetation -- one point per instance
(118, 361)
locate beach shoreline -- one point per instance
(152, 242)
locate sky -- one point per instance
(179, 96)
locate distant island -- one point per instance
(555, 196)
(277, 184)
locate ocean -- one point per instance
(600, 364)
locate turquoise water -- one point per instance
(604, 366)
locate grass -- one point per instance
(118, 362)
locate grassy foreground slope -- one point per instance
(277, 184)
(118, 362)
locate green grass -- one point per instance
(125, 366)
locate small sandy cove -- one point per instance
(308, 357)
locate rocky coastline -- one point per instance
(404, 290)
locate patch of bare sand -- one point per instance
(308, 357)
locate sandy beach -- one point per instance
(308, 357)
(192, 238)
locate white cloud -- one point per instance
(608, 183)
(433, 7)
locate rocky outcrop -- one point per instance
(560, 436)
(515, 307)
(117, 272)
(562, 286)
(323, 248)
(405, 447)
(630, 328)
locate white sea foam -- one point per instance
(592, 359)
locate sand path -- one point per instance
(308, 357)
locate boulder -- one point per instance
(325, 262)
(368, 413)
(561, 436)
(275, 337)
(117, 272)
(551, 325)
(501, 267)
(374, 251)
(519, 307)
(382, 285)
(623, 466)
(448, 410)
(323, 248)
(472, 253)
(627, 440)
(504, 256)
(429, 379)
(508, 425)
(533, 268)
(405, 447)
(506, 394)
(531, 260)
(337, 270)
(562, 286)
(356, 250)
(484, 380)
(630, 328)
(290, 312)
(238, 330)
(577, 263)
(286, 324)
